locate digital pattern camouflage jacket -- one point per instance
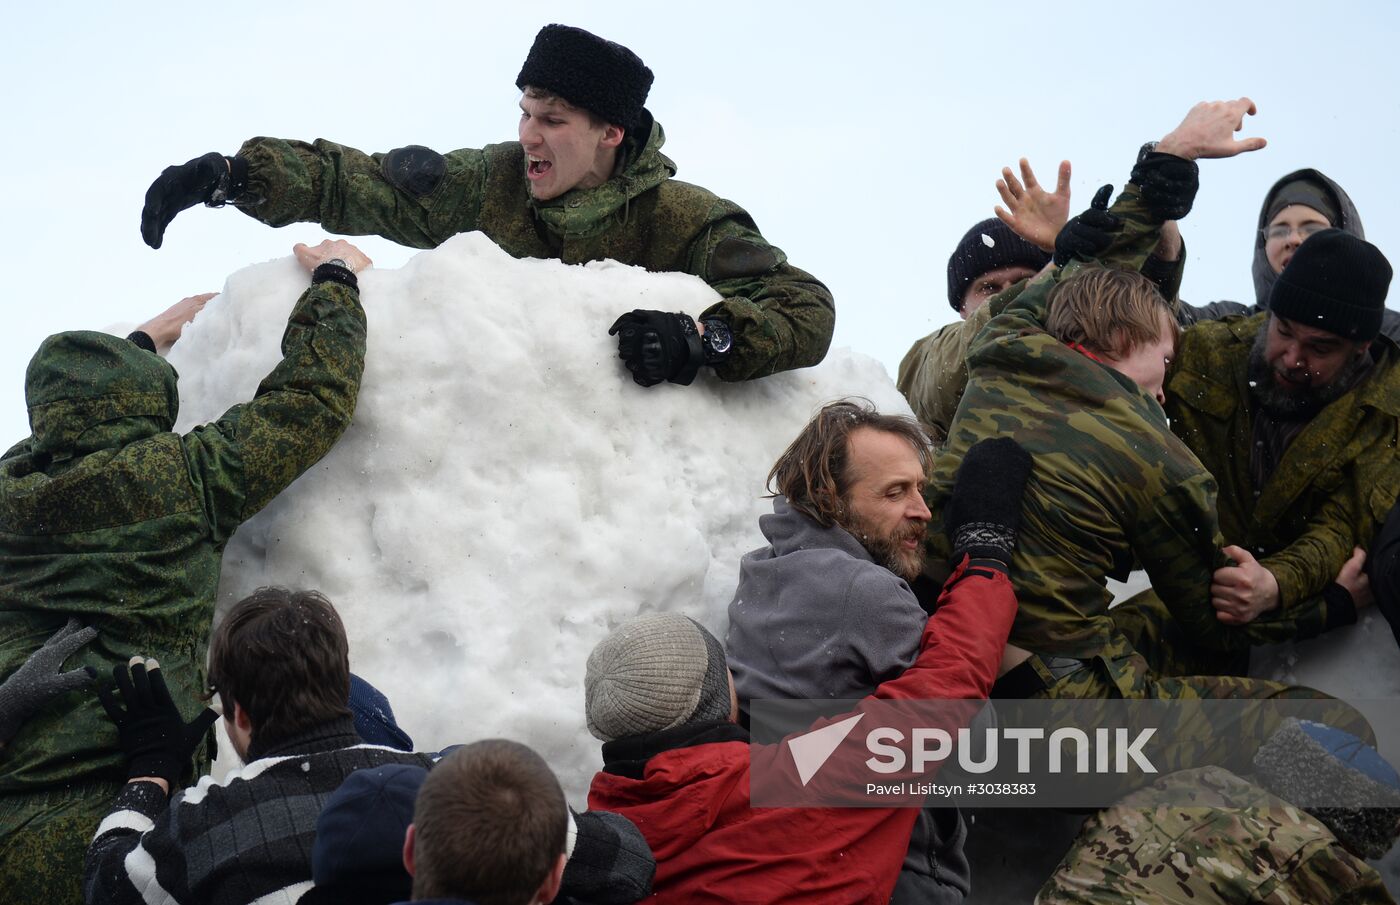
(1112, 485)
(781, 317)
(1334, 485)
(108, 516)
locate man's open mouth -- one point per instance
(535, 167)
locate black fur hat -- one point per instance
(598, 75)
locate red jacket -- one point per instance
(687, 789)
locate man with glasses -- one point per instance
(1300, 204)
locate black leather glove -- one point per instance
(212, 179)
(1168, 184)
(155, 738)
(657, 346)
(38, 679)
(1089, 234)
(984, 512)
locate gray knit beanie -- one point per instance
(655, 672)
(1304, 762)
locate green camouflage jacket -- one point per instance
(1234, 844)
(1111, 485)
(933, 373)
(108, 516)
(1334, 485)
(781, 317)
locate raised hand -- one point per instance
(1088, 235)
(1031, 212)
(208, 179)
(1209, 131)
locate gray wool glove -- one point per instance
(39, 679)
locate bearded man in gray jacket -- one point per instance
(826, 609)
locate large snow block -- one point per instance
(506, 495)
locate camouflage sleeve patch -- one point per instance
(415, 170)
(735, 257)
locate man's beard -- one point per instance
(1300, 403)
(887, 550)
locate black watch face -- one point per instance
(719, 341)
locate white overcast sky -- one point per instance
(864, 137)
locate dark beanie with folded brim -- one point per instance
(1335, 282)
(990, 245)
(590, 72)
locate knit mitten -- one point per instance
(985, 510)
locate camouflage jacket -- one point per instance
(1335, 483)
(1111, 485)
(1234, 844)
(107, 515)
(933, 373)
(781, 317)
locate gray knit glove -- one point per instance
(33, 684)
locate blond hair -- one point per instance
(1108, 311)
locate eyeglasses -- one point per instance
(1281, 231)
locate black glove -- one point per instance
(155, 738)
(39, 679)
(985, 510)
(657, 346)
(1089, 234)
(1168, 184)
(212, 179)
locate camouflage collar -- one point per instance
(583, 213)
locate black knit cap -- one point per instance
(1335, 282)
(974, 256)
(601, 76)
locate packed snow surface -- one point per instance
(506, 495)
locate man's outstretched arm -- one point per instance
(255, 449)
(413, 196)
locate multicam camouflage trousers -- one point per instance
(43, 838)
(1233, 842)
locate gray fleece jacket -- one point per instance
(816, 617)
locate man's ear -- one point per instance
(549, 890)
(612, 136)
(408, 849)
(241, 718)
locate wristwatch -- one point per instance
(1147, 148)
(337, 262)
(717, 339)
